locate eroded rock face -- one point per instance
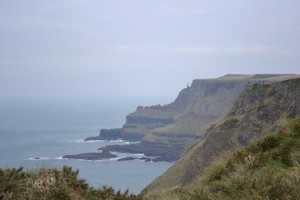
(261, 105)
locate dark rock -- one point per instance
(127, 159)
(163, 153)
(93, 138)
(146, 159)
(92, 156)
(107, 134)
(116, 134)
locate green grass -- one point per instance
(155, 113)
(53, 184)
(190, 128)
(267, 169)
(229, 123)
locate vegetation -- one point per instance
(155, 112)
(267, 169)
(229, 123)
(53, 184)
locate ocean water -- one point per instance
(53, 129)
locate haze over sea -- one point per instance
(51, 129)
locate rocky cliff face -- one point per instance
(166, 132)
(259, 109)
(139, 123)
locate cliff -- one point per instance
(259, 109)
(166, 132)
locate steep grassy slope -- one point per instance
(53, 184)
(268, 169)
(260, 108)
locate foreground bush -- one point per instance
(53, 184)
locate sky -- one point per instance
(144, 48)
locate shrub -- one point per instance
(53, 184)
(216, 173)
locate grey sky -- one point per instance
(71, 48)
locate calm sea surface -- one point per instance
(51, 130)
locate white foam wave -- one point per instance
(125, 142)
(46, 158)
(139, 154)
(116, 141)
(132, 142)
(88, 141)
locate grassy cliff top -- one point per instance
(274, 77)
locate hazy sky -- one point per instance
(115, 48)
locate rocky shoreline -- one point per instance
(154, 152)
(106, 154)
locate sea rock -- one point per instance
(105, 154)
(146, 159)
(160, 151)
(127, 159)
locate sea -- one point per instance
(48, 130)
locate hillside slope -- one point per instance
(267, 169)
(260, 108)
